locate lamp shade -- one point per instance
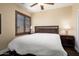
(31, 27)
(66, 25)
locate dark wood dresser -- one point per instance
(67, 40)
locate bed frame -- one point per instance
(47, 29)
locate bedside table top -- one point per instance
(67, 35)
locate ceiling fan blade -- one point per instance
(34, 4)
(50, 3)
(42, 7)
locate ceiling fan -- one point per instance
(41, 5)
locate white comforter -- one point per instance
(41, 44)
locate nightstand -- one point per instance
(67, 40)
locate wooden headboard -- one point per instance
(47, 29)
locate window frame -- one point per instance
(17, 12)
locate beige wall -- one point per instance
(7, 12)
(54, 17)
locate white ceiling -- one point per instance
(37, 8)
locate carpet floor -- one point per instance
(71, 51)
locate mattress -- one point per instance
(40, 44)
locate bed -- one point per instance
(44, 42)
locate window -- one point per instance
(0, 23)
(23, 23)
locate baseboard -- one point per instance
(3, 51)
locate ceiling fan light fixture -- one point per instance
(41, 5)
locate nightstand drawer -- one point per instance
(67, 41)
